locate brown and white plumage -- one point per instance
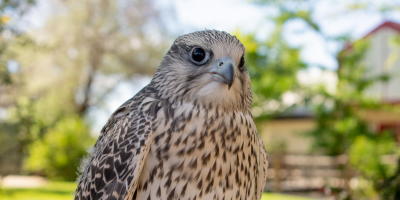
(188, 135)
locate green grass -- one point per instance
(52, 191)
(275, 196)
(64, 191)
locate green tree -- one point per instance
(9, 7)
(368, 155)
(58, 154)
(273, 67)
(69, 66)
(10, 11)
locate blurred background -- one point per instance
(325, 80)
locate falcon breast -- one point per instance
(188, 135)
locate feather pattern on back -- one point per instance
(119, 154)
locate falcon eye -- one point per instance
(199, 56)
(241, 64)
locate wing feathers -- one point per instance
(118, 158)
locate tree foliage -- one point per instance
(9, 151)
(58, 155)
(70, 65)
(7, 7)
(273, 67)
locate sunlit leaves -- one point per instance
(273, 67)
(59, 154)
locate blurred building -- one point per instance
(381, 58)
(290, 167)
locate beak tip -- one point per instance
(230, 85)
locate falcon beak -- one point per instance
(224, 71)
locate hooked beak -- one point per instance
(224, 71)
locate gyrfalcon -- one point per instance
(188, 135)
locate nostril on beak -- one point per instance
(223, 71)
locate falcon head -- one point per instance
(206, 67)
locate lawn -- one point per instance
(64, 191)
(275, 196)
(52, 191)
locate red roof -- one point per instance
(385, 24)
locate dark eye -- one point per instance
(199, 56)
(241, 64)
